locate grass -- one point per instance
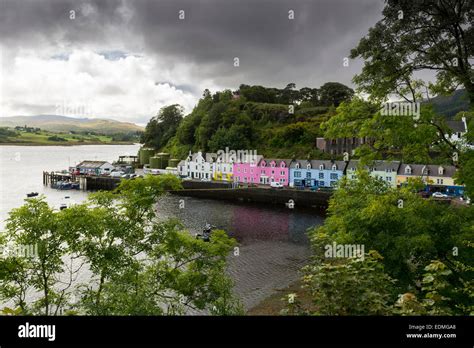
(44, 138)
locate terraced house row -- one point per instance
(315, 173)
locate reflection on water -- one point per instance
(245, 222)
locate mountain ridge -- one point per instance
(60, 123)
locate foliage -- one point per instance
(255, 117)
(414, 36)
(138, 265)
(163, 127)
(408, 236)
(350, 286)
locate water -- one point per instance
(21, 170)
(273, 243)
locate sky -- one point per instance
(125, 60)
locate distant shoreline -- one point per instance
(66, 144)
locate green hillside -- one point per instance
(450, 105)
(254, 117)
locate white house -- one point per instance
(198, 166)
(458, 132)
(94, 167)
(222, 169)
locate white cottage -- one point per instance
(198, 166)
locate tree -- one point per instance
(408, 236)
(415, 36)
(350, 286)
(138, 265)
(334, 93)
(39, 263)
(163, 127)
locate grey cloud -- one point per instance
(272, 49)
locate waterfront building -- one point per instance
(94, 168)
(197, 166)
(383, 170)
(265, 171)
(437, 178)
(247, 171)
(222, 169)
(319, 173)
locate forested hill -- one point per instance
(253, 117)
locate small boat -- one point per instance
(206, 233)
(32, 194)
(63, 206)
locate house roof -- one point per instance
(92, 164)
(210, 156)
(277, 161)
(340, 165)
(457, 126)
(378, 165)
(432, 170)
(302, 163)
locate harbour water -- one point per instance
(272, 239)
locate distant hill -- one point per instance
(449, 106)
(56, 123)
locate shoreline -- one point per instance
(66, 144)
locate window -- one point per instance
(334, 167)
(238, 170)
(407, 170)
(251, 171)
(297, 174)
(333, 176)
(440, 170)
(237, 178)
(308, 175)
(282, 172)
(353, 176)
(297, 166)
(273, 165)
(388, 178)
(321, 183)
(273, 172)
(321, 175)
(439, 181)
(282, 181)
(321, 167)
(245, 170)
(308, 166)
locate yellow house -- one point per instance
(431, 174)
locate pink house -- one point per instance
(247, 172)
(265, 171)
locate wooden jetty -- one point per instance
(86, 182)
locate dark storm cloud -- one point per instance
(272, 49)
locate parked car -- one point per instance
(276, 184)
(116, 174)
(439, 195)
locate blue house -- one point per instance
(319, 173)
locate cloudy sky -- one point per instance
(126, 59)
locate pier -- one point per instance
(86, 182)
